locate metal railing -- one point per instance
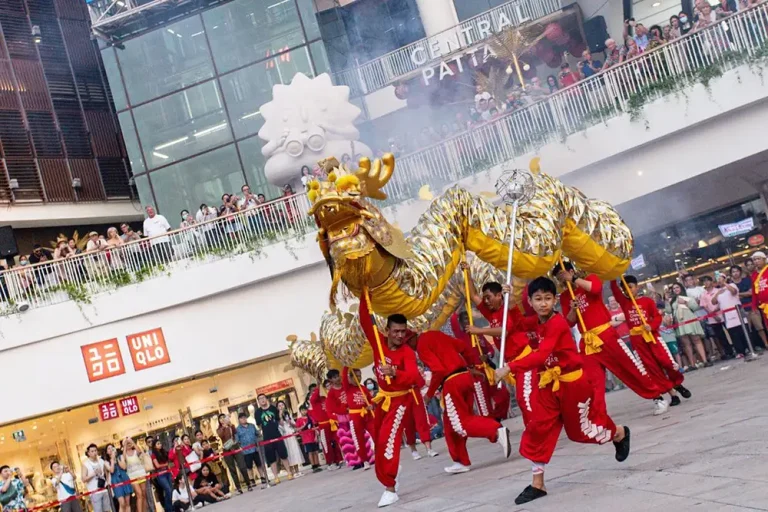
(382, 71)
(81, 276)
(624, 88)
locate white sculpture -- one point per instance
(307, 121)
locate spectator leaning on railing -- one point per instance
(155, 225)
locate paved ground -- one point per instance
(708, 454)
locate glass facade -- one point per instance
(188, 96)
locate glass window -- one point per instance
(253, 161)
(466, 9)
(247, 89)
(244, 31)
(182, 124)
(320, 57)
(131, 142)
(165, 60)
(307, 11)
(113, 76)
(145, 192)
(202, 179)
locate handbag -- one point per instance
(9, 495)
(147, 461)
(194, 462)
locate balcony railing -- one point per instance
(84, 275)
(384, 70)
(622, 89)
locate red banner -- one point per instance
(270, 389)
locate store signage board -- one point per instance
(19, 436)
(737, 228)
(637, 263)
(275, 387)
(108, 411)
(102, 360)
(148, 349)
(129, 405)
(756, 240)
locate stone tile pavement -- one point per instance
(708, 454)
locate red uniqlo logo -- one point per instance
(108, 411)
(148, 349)
(129, 405)
(102, 360)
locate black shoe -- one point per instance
(622, 447)
(708, 364)
(240, 492)
(250, 488)
(317, 469)
(675, 401)
(357, 466)
(683, 391)
(530, 493)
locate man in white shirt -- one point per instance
(155, 225)
(95, 479)
(64, 482)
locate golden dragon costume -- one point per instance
(418, 276)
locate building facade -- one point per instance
(60, 138)
(188, 96)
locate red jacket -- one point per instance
(356, 395)
(443, 355)
(646, 304)
(336, 402)
(317, 407)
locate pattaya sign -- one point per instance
(450, 41)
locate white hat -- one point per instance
(759, 254)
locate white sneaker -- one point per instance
(660, 406)
(457, 468)
(506, 447)
(366, 466)
(199, 505)
(432, 453)
(415, 455)
(388, 498)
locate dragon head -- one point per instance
(358, 243)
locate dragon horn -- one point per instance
(372, 180)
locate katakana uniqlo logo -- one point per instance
(103, 360)
(108, 411)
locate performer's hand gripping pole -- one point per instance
(360, 387)
(379, 346)
(647, 335)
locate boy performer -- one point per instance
(600, 344)
(327, 426)
(361, 419)
(446, 358)
(567, 398)
(644, 334)
(397, 374)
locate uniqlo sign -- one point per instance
(148, 349)
(108, 411)
(129, 405)
(103, 360)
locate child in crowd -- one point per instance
(670, 338)
(181, 498)
(308, 439)
(206, 484)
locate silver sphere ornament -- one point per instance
(515, 186)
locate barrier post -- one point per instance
(263, 460)
(111, 498)
(184, 470)
(751, 356)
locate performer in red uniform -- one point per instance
(644, 334)
(491, 306)
(447, 357)
(475, 358)
(600, 344)
(760, 284)
(319, 416)
(360, 403)
(397, 375)
(566, 396)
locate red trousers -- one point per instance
(418, 421)
(527, 393)
(389, 436)
(330, 444)
(658, 361)
(482, 392)
(358, 426)
(501, 400)
(574, 407)
(617, 357)
(459, 420)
